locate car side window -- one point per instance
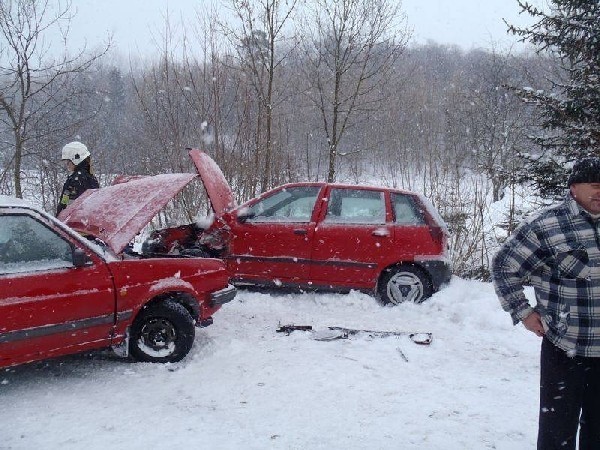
(406, 210)
(293, 204)
(27, 245)
(355, 206)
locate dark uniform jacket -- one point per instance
(77, 183)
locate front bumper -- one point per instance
(223, 296)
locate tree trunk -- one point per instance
(17, 169)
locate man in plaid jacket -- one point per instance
(558, 253)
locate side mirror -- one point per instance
(244, 216)
(80, 258)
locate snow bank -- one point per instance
(246, 386)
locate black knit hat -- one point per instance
(586, 170)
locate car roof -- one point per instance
(10, 201)
(348, 186)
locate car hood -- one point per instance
(217, 188)
(115, 214)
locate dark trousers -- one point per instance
(569, 398)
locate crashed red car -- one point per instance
(319, 236)
(61, 293)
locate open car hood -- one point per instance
(115, 214)
(217, 188)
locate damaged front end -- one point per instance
(187, 240)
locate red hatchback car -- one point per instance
(320, 236)
(61, 293)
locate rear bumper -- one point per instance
(439, 270)
(223, 296)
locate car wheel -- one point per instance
(163, 332)
(404, 284)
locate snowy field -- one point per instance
(245, 386)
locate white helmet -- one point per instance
(75, 152)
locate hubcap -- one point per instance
(405, 287)
(158, 336)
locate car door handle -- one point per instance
(300, 231)
(381, 232)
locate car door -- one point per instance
(412, 235)
(271, 237)
(49, 307)
(352, 239)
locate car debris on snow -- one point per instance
(334, 332)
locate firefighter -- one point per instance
(81, 177)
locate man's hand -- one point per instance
(533, 322)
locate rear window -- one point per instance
(433, 212)
(406, 210)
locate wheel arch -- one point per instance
(185, 299)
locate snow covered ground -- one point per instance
(245, 386)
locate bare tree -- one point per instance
(32, 79)
(490, 120)
(350, 47)
(166, 119)
(261, 50)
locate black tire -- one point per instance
(163, 332)
(404, 283)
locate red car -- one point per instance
(320, 236)
(61, 293)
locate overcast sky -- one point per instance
(466, 23)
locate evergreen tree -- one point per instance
(568, 30)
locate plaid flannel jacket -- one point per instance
(558, 252)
